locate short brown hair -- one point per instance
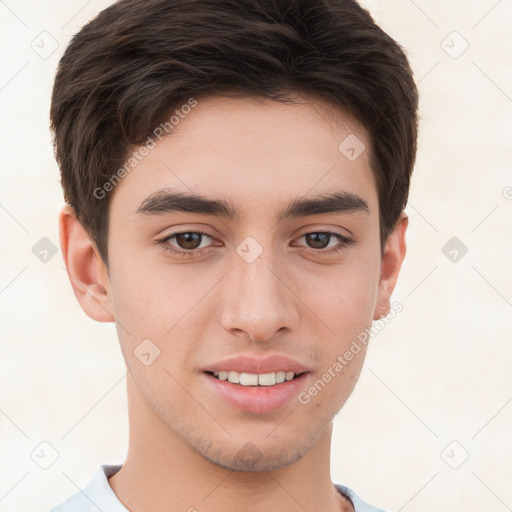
(126, 70)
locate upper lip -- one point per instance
(249, 364)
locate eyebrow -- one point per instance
(166, 201)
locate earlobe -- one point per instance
(86, 271)
(392, 258)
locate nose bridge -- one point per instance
(257, 301)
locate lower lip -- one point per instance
(258, 399)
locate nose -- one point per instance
(257, 301)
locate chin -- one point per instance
(251, 458)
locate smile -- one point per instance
(255, 379)
(254, 397)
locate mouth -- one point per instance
(249, 395)
(255, 379)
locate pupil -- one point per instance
(319, 240)
(189, 240)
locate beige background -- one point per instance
(439, 373)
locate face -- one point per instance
(273, 273)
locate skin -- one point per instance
(295, 299)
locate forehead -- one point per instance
(255, 152)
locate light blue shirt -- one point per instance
(98, 495)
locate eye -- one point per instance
(185, 241)
(190, 243)
(320, 240)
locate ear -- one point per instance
(392, 258)
(86, 270)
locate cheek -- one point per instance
(151, 298)
(159, 304)
(344, 294)
(344, 299)
(331, 386)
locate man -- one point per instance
(235, 173)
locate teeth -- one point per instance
(234, 377)
(249, 379)
(267, 379)
(254, 379)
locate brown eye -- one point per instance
(188, 244)
(185, 243)
(318, 240)
(189, 240)
(326, 242)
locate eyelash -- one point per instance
(345, 243)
